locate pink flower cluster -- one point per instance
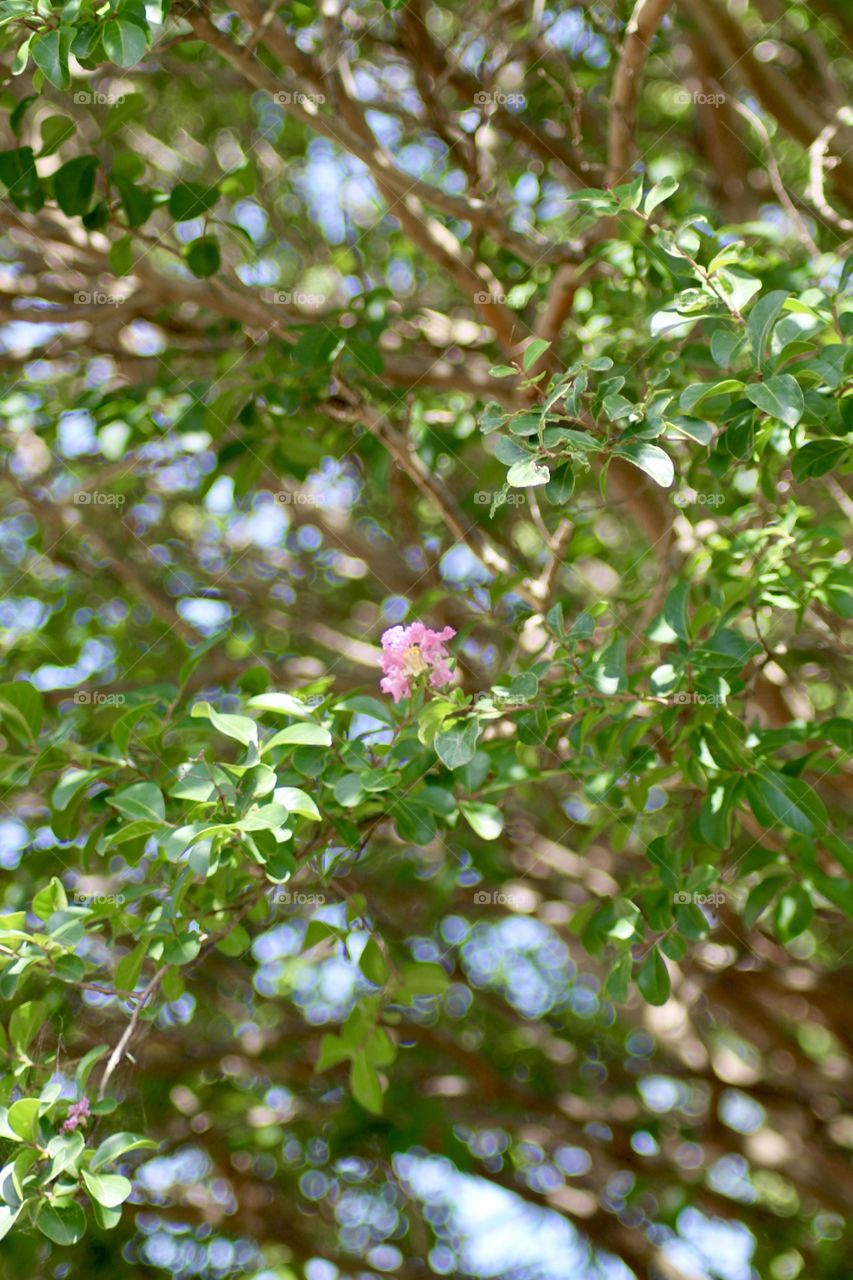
(408, 652)
(78, 1113)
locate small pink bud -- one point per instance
(78, 1114)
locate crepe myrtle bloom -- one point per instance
(78, 1114)
(409, 652)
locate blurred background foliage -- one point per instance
(256, 265)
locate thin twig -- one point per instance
(642, 25)
(121, 1048)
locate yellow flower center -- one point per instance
(413, 661)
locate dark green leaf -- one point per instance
(653, 978)
(203, 257)
(74, 184)
(191, 200)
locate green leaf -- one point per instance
(63, 1222)
(660, 191)
(524, 475)
(64, 1151)
(793, 914)
(818, 457)
(124, 42)
(532, 352)
(241, 728)
(138, 204)
(650, 459)
(509, 451)
(560, 487)
(128, 969)
(414, 821)
(761, 896)
(610, 674)
(368, 707)
(97, 217)
(303, 735)
(348, 790)
(698, 391)
(456, 747)
(85, 1065)
(316, 347)
(724, 347)
(485, 819)
(235, 943)
(22, 57)
(203, 257)
(525, 686)
(8, 1217)
(191, 200)
(108, 1189)
(49, 52)
(21, 709)
(54, 131)
(653, 978)
(619, 978)
(425, 979)
(675, 609)
(105, 1218)
(266, 817)
(779, 397)
(25, 1022)
(183, 949)
(365, 1084)
(117, 1144)
(49, 899)
(762, 317)
(141, 800)
(296, 801)
(333, 1051)
(23, 1118)
(380, 1048)
(121, 256)
(16, 119)
(373, 964)
(74, 184)
(287, 704)
(779, 798)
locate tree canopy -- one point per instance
(426, 601)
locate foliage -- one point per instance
(318, 323)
